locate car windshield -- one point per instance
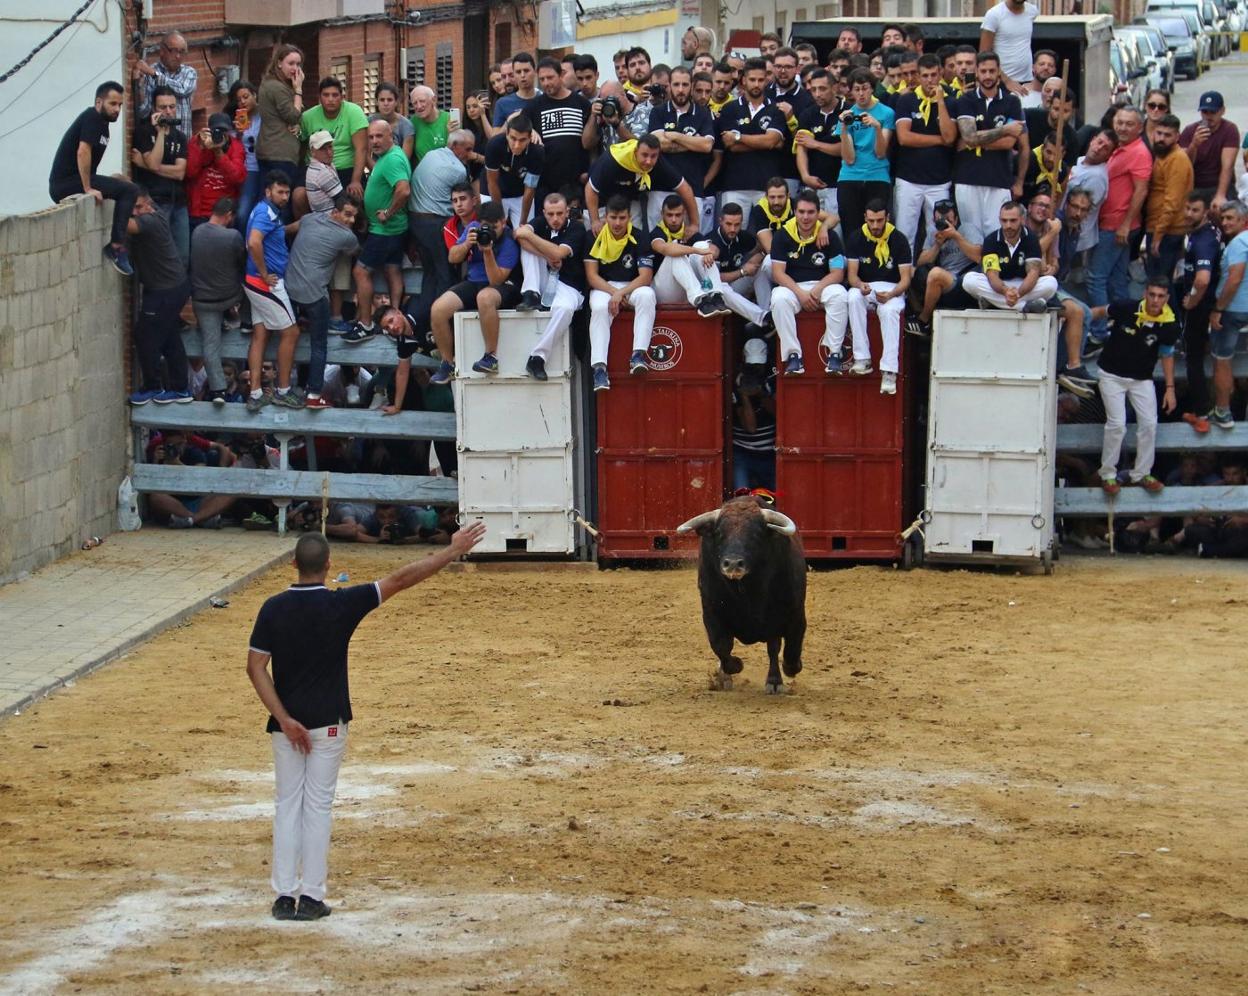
(1172, 27)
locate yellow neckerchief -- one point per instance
(1044, 175)
(790, 229)
(607, 248)
(633, 88)
(882, 255)
(625, 153)
(669, 235)
(899, 88)
(774, 221)
(1142, 317)
(926, 104)
(957, 86)
(718, 105)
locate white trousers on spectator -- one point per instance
(642, 301)
(890, 312)
(511, 206)
(746, 198)
(1114, 393)
(784, 309)
(305, 785)
(654, 209)
(533, 267)
(912, 201)
(734, 295)
(563, 308)
(763, 283)
(678, 279)
(828, 201)
(979, 210)
(976, 284)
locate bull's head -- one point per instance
(739, 529)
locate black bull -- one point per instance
(752, 576)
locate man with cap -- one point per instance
(321, 182)
(754, 420)
(1212, 146)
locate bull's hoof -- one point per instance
(720, 682)
(775, 689)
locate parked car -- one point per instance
(1193, 11)
(1179, 40)
(1140, 56)
(1153, 42)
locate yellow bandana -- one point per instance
(1046, 175)
(926, 104)
(625, 153)
(607, 248)
(882, 255)
(774, 221)
(718, 105)
(635, 90)
(899, 88)
(1142, 317)
(794, 147)
(957, 86)
(790, 228)
(669, 235)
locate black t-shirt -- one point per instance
(307, 630)
(869, 268)
(751, 170)
(154, 253)
(1037, 120)
(930, 165)
(561, 124)
(91, 127)
(695, 121)
(799, 101)
(734, 253)
(1010, 262)
(808, 262)
(625, 268)
(609, 178)
(413, 336)
(163, 189)
(758, 221)
(1133, 346)
(512, 170)
(821, 124)
(992, 168)
(1202, 250)
(572, 269)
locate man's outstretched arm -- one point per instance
(418, 570)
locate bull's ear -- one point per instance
(699, 522)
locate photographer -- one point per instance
(754, 420)
(606, 124)
(684, 131)
(865, 174)
(159, 159)
(174, 448)
(394, 524)
(941, 266)
(216, 167)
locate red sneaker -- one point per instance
(1110, 486)
(1150, 484)
(315, 403)
(1197, 422)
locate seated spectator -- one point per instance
(173, 448)
(77, 160)
(738, 258)
(159, 159)
(164, 290)
(1140, 332)
(941, 267)
(218, 257)
(492, 256)
(1010, 275)
(619, 271)
(552, 254)
(1045, 172)
(1222, 535)
(216, 167)
(686, 263)
(754, 419)
(879, 264)
(808, 277)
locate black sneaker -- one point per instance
(284, 908)
(1035, 307)
(217, 398)
(1092, 348)
(707, 308)
(721, 304)
(529, 301)
(536, 368)
(311, 909)
(1078, 380)
(358, 334)
(757, 330)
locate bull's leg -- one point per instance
(721, 677)
(775, 684)
(793, 650)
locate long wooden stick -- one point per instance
(1061, 133)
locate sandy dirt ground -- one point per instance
(984, 783)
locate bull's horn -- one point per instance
(780, 523)
(698, 521)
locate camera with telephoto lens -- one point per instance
(611, 108)
(167, 120)
(657, 90)
(940, 224)
(485, 235)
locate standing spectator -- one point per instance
(1130, 169)
(1054, 116)
(267, 259)
(524, 68)
(752, 133)
(1091, 175)
(323, 239)
(243, 111)
(700, 85)
(553, 250)
(1142, 330)
(387, 98)
(347, 123)
(754, 419)
(218, 257)
(982, 170)
(1010, 262)
(723, 82)
(477, 119)
(1212, 145)
(430, 126)
(280, 106)
(1230, 310)
(586, 67)
(769, 43)
(216, 167)
(75, 165)
(514, 164)
(168, 70)
(1006, 30)
(561, 118)
(1046, 173)
(926, 133)
(1202, 250)
(685, 133)
(164, 290)
(1156, 107)
(637, 61)
(159, 158)
(428, 207)
(385, 206)
(868, 124)
(849, 41)
(619, 271)
(818, 156)
(630, 169)
(878, 260)
(1169, 185)
(1043, 68)
(788, 93)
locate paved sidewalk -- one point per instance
(92, 606)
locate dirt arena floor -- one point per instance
(984, 783)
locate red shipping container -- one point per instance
(839, 453)
(662, 436)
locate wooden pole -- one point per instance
(1061, 135)
(324, 501)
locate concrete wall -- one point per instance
(63, 422)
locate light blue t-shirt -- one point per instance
(1236, 252)
(866, 165)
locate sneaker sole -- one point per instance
(166, 401)
(1076, 387)
(139, 404)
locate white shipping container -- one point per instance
(992, 427)
(515, 440)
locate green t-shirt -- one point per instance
(430, 135)
(391, 170)
(350, 119)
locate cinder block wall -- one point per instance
(63, 445)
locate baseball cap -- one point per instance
(220, 121)
(320, 139)
(1211, 100)
(755, 351)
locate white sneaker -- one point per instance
(861, 368)
(888, 383)
(353, 394)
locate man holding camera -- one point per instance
(685, 134)
(513, 169)
(159, 158)
(941, 266)
(552, 251)
(216, 167)
(629, 170)
(174, 448)
(752, 132)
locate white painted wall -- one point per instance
(39, 102)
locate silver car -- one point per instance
(1153, 44)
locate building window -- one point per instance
(780, 18)
(415, 71)
(445, 70)
(372, 76)
(340, 69)
(825, 11)
(759, 24)
(799, 14)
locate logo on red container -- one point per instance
(665, 349)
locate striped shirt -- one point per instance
(762, 439)
(183, 84)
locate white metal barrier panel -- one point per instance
(991, 437)
(515, 439)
